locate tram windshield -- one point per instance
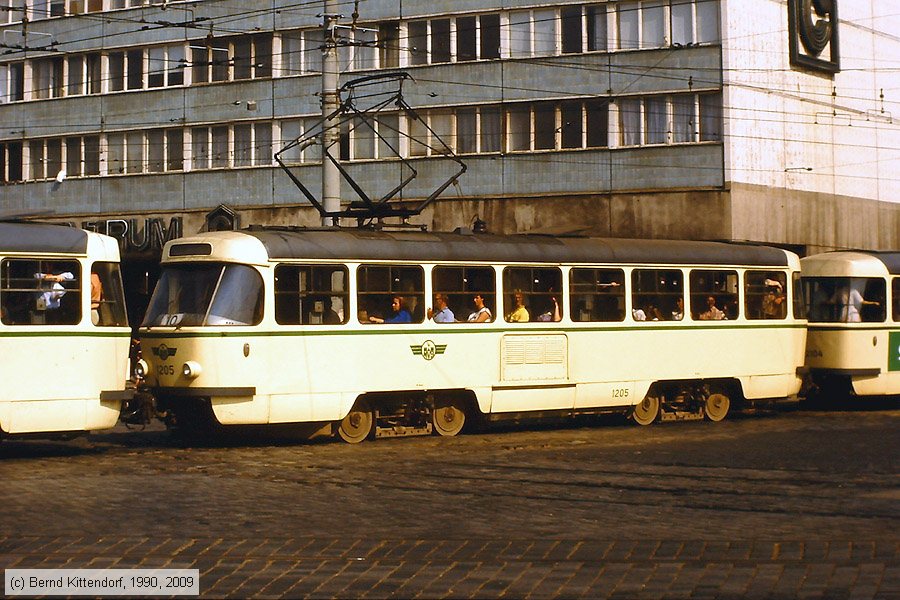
(845, 299)
(206, 294)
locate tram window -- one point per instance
(311, 294)
(799, 302)
(532, 294)
(895, 293)
(845, 299)
(40, 292)
(460, 285)
(655, 294)
(597, 294)
(765, 294)
(379, 285)
(107, 296)
(184, 296)
(722, 287)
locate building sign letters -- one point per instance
(137, 236)
(813, 30)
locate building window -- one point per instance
(92, 155)
(655, 123)
(711, 117)
(134, 152)
(74, 157)
(520, 34)
(653, 24)
(596, 28)
(291, 53)
(135, 69)
(571, 125)
(47, 75)
(116, 61)
(545, 24)
(115, 153)
(684, 118)
(597, 113)
(389, 45)
(156, 150)
(628, 14)
(466, 39)
(489, 36)
(630, 121)
(572, 30)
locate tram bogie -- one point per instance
(313, 326)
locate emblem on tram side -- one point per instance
(813, 30)
(428, 349)
(163, 351)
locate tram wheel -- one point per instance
(717, 406)
(357, 425)
(448, 417)
(646, 411)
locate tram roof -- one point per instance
(42, 237)
(349, 244)
(889, 258)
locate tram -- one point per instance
(369, 333)
(63, 330)
(853, 343)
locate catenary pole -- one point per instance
(331, 177)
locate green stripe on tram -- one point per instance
(56, 333)
(377, 329)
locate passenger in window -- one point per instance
(482, 313)
(52, 289)
(678, 313)
(401, 315)
(441, 313)
(713, 312)
(773, 300)
(851, 303)
(519, 313)
(652, 313)
(638, 314)
(329, 317)
(96, 298)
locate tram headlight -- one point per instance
(141, 368)
(191, 369)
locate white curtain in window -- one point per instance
(115, 153)
(155, 150)
(682, 21)
(655, 120)
(630, 121)
(596, 18)
(545, 23)
(442, 126)
(366, 53)
(466, 132)
(418, 135)
(313, 40)
(290, 131)
(653, 25)
(388, 136)
(628, 15)
(200, 148)
(291, 54)
(135, 152)
(683, 118)
(363, 139)
(491, 124)
(707, 21)
(520, 33)
(262, 146)
(243, 146)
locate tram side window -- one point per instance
(895, 293)
(390, 294)
(655, 294)
(714, 295)
(40, 292)
(311, 294)
(107, 296)
(597, 294)
(797, 289)
(845, 299)
(765, 294)
(532, 294)
(468, 290)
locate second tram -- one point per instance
(63, 330)
(854, 323)
(383, 333)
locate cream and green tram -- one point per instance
(63, 330)
(385, 333)
(853, 342)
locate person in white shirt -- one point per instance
(52, 289)
(482, 313)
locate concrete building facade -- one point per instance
(763, 120)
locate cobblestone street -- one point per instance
(790, 504)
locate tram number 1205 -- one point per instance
(620, 393)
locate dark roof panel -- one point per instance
(891, 260)
(349, 244)
(41, 237)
